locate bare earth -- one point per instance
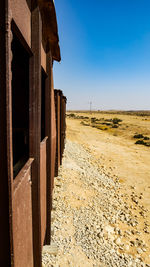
(119, 155)
(116, 155)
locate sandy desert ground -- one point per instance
(114, 153)
(117, 149)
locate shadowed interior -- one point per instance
(20, 105)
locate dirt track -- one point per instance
(101, 171)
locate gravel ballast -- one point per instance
(92, 224)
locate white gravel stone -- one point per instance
(91, 223)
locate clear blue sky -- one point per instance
(105, 50)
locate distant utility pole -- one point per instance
(90, 106)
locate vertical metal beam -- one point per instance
(6, 175)
(35, 132)
(48, 133)
(61, 125)
(53, 133)
(56, 112)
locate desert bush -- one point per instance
(140, 142)
(72, 115)
(147, 144)
(107, 123)
(84, 123)
(138, 136)
(93, 119)
(82, 117)
(115, 126)
(146, 138)
(116, 120)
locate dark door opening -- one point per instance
(20, 104)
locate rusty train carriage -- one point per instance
(57, 112)
(63, 125)
(28, 46)
(60, 110)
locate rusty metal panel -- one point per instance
(62, 122)
(43, 182)
(53, 137)
(53, 147)
(64, 117)
(56, 113)
(58, 94)
(60, 107)
(61, 127)
(22, 218)
(58, 128)
(43, 58)
(6, 241)
(22, 16)
(48, 144)
(35, 132)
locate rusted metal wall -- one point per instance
(5, 181)
(58, 129)
(22, 217)
(60, 107)
(26, 200)
(35, 132)
(53, 135)
(43, 191)
(63, 125)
